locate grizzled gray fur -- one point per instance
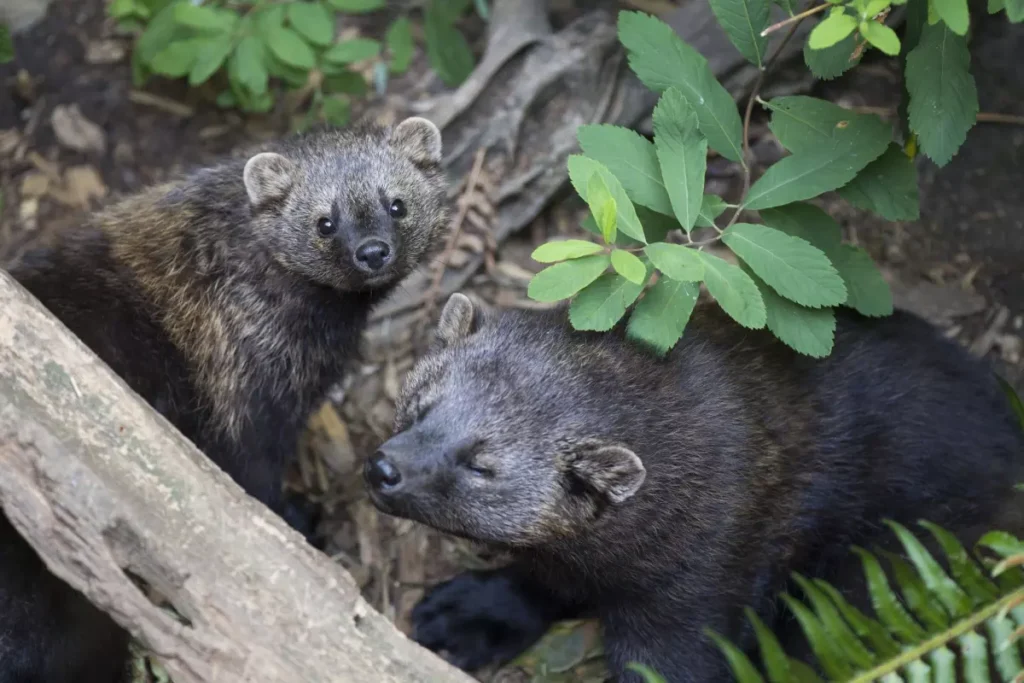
(230, 300)
(664, 495)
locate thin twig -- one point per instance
(430, 297)
(983, 117)
(795, 19)
(755, 96)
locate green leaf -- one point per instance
(916, 596)
(564, 280)
(602, 304)
(881, 36)
(1007, 659)
(400, 45)
(580, 170)
(313, 21)
(943, 98)
(1015, 11)
(176, 60)
(806, 124)
(661, 316)
(205, 18)
(776, 663)
(795, 269)
(833, 62)
(482, 9)
(162, 30)
(810, 331)
(838, 630)
(357, 6)
(965, 570)
(621, 239)
(954, 13)
(807, 222)
(935, 578)
(337, 110)
(247, 65)
(676, 261)
(347, 82)
(866, 628)
(603, 207)
(209, 57)
(743, 21)
(662, 60)
(887, 606)
(867, 291)
(450, 11)
(832, 29)
(352, 50)
(270, 18)
(825, 649)
(629, 266)
(887, 186)
(290, 48)
(563, 250)
(6, 44)
(974, 651)
(682, 154)
(943, 664)
(741, 666)
(631, 158)
(809, 174)
(447, 49)
(711, 207)
(735, 292)
(119, 9)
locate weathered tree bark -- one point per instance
(104, 489)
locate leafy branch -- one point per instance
(790, 269)
(648, 207)
(243, 48)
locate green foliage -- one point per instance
(788, 271)
(940, 99)
(940, 623)
(647, 206)
(245, 49)
(943, 98)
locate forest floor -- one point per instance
(75, 132)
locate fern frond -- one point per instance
(938, 626)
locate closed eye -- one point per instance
(422, 408)
(468, 455)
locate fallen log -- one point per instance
(107, 492)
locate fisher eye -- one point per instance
(468, 456)
(397, 209)
(326, 227)
(421, 409)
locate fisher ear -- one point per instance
(418, 139)
(457, 321)
(268, 177)
(610, 470)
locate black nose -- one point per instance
(380, 473)
(373, 254)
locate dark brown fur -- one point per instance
(222, 303)
(664, 495)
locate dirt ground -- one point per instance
(74, 132)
